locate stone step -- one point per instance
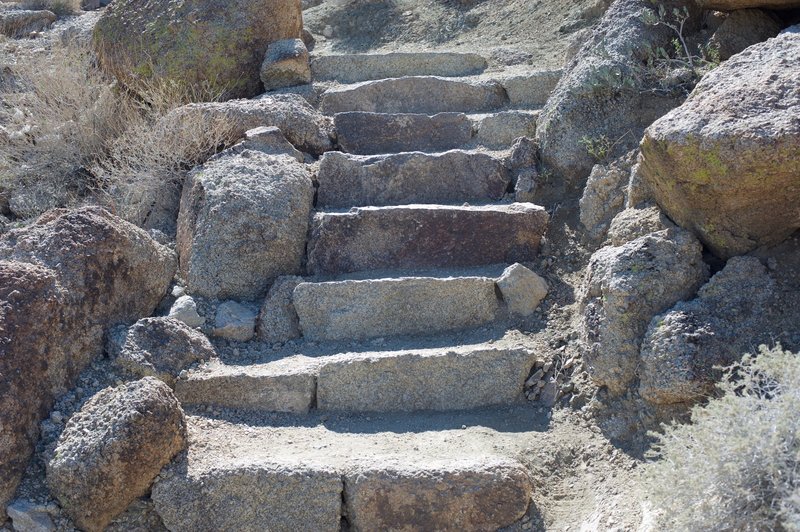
(416, 94)
(456, 378)
(372, 308)
(455, 176)
(326, 475)
(352, 68)
(424, 236)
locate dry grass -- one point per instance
(72, 136)
(61, 8)
(736, 466)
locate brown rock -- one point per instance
(438, 498)
(420, 236)
(113, 448)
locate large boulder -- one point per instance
(216, 45)
(302, 125)
(64, 281)
(684, 347)
(725, 163)
(113, 448)
(623, 289)
(604, 96)
(243, 223)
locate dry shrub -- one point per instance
(61, 8)
(736, 466)
(72, 135)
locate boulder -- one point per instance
(623, 289)
(685, 347)
(725, 163)
(73, 274)
(22, 22)
(633, 223)
(278, 321)
(161, 348)
(185, 310)
(522, 289)
(604, 195)
(603, 96)
(243, 223)
(285, 65)
(235, 321)
(302, 125)
(113, 448)
(216, 45)
(733, 5)
(744, 28)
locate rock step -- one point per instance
(455, 176)
(399, 306)
(457, 378)
(367, 133)
(352, 68)
(417, 94)
(424, 236)
(252, 477)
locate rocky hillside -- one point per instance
(395, 265)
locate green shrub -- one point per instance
(736, 466)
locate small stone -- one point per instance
(327, 32)
(522, 289)
(29, 517)
(285, 65)
(185, 309)
(56, 417)
(235, 321)
(178, 291)
(549, 394)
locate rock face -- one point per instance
(243, 223)
(161, 348)
(684, 345)
(600, 95)
(623, 289)
(725, 163)
(73, 274)
(733, 5)
(394, 499)
(743, 28)
(301, 124)
(195, 42)
(112, 450)
(285, 65)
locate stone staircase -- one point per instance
(414, 223)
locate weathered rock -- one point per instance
(277, 321)
(725, 163)
(29, 517)
(185, 309)
(743, 28)
(269, 140)
(623, 289)
(451, 177)
(430, 379)
(522, 289)
(531, 89)
(301, 124)
(197, 495)
(242, 224)
(412, 95)
(202, 43)
(235, 321)
(352, 68)
(525, 187)
(285, 65)
(22, 22)
(500, 130)
(113, 448)
(161, 348)
(604, 195)
(602, 95)
(393, 498)
(685, 346)
(733, 5)
(281, 386)
(140, 516)
(91, 5)
(420, 236)
(371, 133)
(389, 307)
(72, 274)
(631, 224)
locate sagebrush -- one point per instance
(736, 466)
